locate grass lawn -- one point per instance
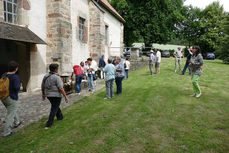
(154, 114)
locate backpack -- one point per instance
(4, 87)
(125, 65)
(78, 70)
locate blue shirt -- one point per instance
(14, 85)
(101, 62)
(109, 72)
(121, 73)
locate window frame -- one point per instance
(13, 12)
(81, 28)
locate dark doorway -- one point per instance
(19, 52)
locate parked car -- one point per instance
(165, 54)
(210, 56)
(148, 53)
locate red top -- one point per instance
(77, 70)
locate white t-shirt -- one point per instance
(178, 53)
(127, 65)
(94, 65)
(158, 55)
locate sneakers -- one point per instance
(193, 95)
(10, 134)
(106, 98)
(46, 128)
(78, 94)
(62, 118)
(15, 126)
(198, 95)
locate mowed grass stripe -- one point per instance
(154, 114)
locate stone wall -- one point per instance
(137, 64)
(1, 11)
(97, 32)
(59, 34)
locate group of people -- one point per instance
(154, 59)
(52, 85)
(194, 63)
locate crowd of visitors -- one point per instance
(114, 70)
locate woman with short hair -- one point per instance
(52, 88)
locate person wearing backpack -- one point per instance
(52, 88)
(9, 88)
(78, 70)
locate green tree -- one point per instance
(211, 27)
(223, 50)
(203, 27)
(149, 21)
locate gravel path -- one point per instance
(32, 108)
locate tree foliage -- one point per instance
(203, 27)
(149, 21)
(223, 50)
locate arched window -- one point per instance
(10, 10)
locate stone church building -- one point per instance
(36, 33)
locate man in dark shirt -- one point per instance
(102, 64)
(11, 102)
(187, 62)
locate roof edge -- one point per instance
(112, 12)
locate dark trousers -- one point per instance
(118, 81)
(55, 110)
(79, 79)
(185, 67)
(127, 71)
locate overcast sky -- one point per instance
(203, 3)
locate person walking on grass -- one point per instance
(187, 62)
(151, 61)
(158, 61)
(177, 54)
(52, 88)
(127, 67)
(119, 75)
(79, 73)
(196, 63)
(10, 98)
(109, 71)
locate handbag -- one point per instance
(94, 76)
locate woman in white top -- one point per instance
(127, 67)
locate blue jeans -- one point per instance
(79, 79)
(185, 67)
(118, 81)
(127, 71)
(90, 82)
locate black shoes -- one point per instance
(15, 126)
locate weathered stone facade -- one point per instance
(57, 23)
(1, 11)
(59, 34)
(97, 32)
